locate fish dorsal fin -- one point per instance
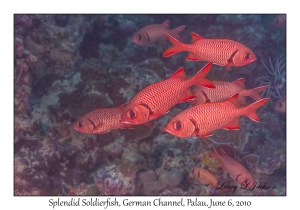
(240, 82)
(179, 74)
(122, 106)
(234, 125)
(195, 37)
(187, 96)
(166, 24)
(234, 100)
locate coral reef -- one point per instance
(152, 183)
(68, 65)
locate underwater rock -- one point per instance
(110, 181)
(150, 183)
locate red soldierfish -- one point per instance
(101, 121)
(202, 119)
(204, 176)
(224, 90)
(155, 100)
(154, 33)
(223, 52)
(235, 169)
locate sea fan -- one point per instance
(276, 80)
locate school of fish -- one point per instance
(217, 104)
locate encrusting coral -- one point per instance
(152, 183)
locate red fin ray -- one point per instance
(122, 106)
(255, 92)
(234, 100)
(166, 24)
(195, 37)
(188, 96)
(192, 57)
(180, 74)
(240, 82)
(198, 79)
(177, 46)
(234, 125)
(175, 32)
(251, 109)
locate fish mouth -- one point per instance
(125, 122)
(169, 131)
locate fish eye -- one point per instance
(80, 124)
(178, 125)
(246, 181)
(131, 114)
(247, 56)
(139, 37)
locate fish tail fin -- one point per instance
(177, 46)
(251, 109)
(255, 92)
(199, 80)
(175, 32)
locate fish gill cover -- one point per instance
(66, 66)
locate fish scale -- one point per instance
(100, 120)
(225, 90)
(159, 101)
(202, 119)
(223, 52)
(156, 99)
(216, 51)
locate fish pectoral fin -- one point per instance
(192, 57)
(234, 125)
(156, 116)
(188, 96)
(98, 127)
